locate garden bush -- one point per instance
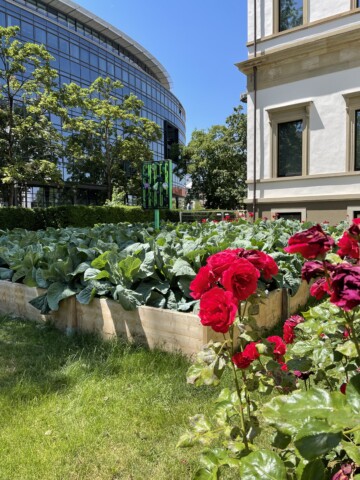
(75, 216)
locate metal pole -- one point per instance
(156, 219)
(255, 107)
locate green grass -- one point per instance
(76, 408)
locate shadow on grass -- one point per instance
(38, 360)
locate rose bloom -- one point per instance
(240, 361)
(203, 281)
(262, 261)
(280, 346)
(349, 247)
(354, 230)
(289, 326)
(218, 309)
(315, 269)
(319, 288)
(311, 243)
(345, 283)
(221, 261)
(241, 278)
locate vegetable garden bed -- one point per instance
(154, 327)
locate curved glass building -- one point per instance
(86, 47)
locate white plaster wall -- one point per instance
(327, 138)
(319, 10)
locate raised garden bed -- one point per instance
(154, 327)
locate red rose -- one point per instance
(251, 352)
(262, 261)
(240, 361)
(280, 346)
(219, 262)
(241, 278)
(343, 388)
(311, 243)
(345, 284)
(349, 247)
(319, 288)
(218, 309)
(203, 281)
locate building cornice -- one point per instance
(310, 46)
(101, 26)
(309, 198)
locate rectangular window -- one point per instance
(290, 14)
(289, 214)
(74, 51)
(2, 19)
(40, 35)
(110, 69)
(352, 131)
(27, 30)
(85, 55)
(64, 46)
(290, 148)
(289, 140)
(52, 40)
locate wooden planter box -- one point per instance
(154, 327)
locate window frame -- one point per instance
(276, 16)
(286, 114)
(352, 101)
(275, 211)
(350, 211)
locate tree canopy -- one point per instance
(216, 161)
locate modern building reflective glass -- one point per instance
(86, 47)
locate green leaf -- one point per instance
(128, 299)
(348, 349)
(57, 292)
(182, 268)
(313, 471)
(186, 440)
(205, 474)
(129, 267)
(352, 451)
(353, 393)
(316, 438)
(86, 295)
(6, 273)
(101, 261)
(41, 304)
(262, 465)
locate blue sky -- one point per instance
(197, 41)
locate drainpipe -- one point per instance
(255, 119)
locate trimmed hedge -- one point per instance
(75, 216)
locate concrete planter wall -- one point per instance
(165, 329)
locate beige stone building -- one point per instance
(303, 72)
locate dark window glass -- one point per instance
(27, 29)
(357, 140)
(64, 65)
(290, 148)
(289, 215)
(52, 41)
(290, 14)
(40, 35)
(74, 50)
(71, 24)
(358, 3)
(125, 77)
(118, 74)
(84, 55)
(64, 46)
(85, 73)
(2, 19)
(110, 68)
(94, 60)
(356, 214)
(102, 64)
(75, 68)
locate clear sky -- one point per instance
(197, 41)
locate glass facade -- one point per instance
(82, 54)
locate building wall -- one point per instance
(317, 65)
(81, 55)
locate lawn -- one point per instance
(79, 408)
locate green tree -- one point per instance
(216, 161)
(29, 142)
(108, 138)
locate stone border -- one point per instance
(154, 327)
